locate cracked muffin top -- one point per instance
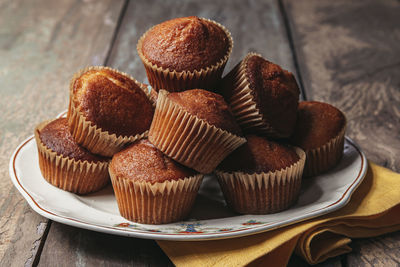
(113, 102)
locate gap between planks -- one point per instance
(292, 47)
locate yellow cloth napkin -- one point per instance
(374, 209)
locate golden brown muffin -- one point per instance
(150, 187)
(263, 96)
(143, 162)
(262, 176)
(259, 155)
(108, 109)
(113, 102)
(185, 53)
(57, 137)
(64, 163)
(319, 130)
(317, 124)
(208, 106)
(188, 43)
(195, 128)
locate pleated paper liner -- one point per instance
(325, 157)
(188, 139)
(263, 193)
(242, 102)
(153, 95)
(76, 176)
(157, 203)
(93, 138)
(174, 81)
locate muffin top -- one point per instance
(143, 162)
(207, 106)
(275, 92)
(185, 44)
(317, 123)
(57, 137)
(113, 102)
(259, 155)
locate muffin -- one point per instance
(263, 97)
(64, 163)
(319, 131)
(150, 187)
(108, 109)
(195, 128)
(261, 176)
(185, 53)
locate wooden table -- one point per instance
(345, 53)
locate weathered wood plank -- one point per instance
(41, 44)
(378, 251)
(349, 55)
(70, 246)
(259, 29)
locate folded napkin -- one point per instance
(374, 209)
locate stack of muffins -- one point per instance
(155, 145)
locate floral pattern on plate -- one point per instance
(191, 227)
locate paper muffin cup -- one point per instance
(157, 203)
(242, 102)
(76, 176)
(187, 139)
(91, 137)
(263, 193)
(175, 81)
(325, 157)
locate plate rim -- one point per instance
(341, 202)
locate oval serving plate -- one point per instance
(209, 219)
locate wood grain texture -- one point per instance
(70, 246)
(349, 56)
(378, 251)
(41, 44)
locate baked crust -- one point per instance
(112, 102)
(143, 162)
(208, 106)
(317, 124)
(259, 155)
(275, 92)
(185, 44)
(57, 137)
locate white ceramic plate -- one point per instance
(209, 219)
